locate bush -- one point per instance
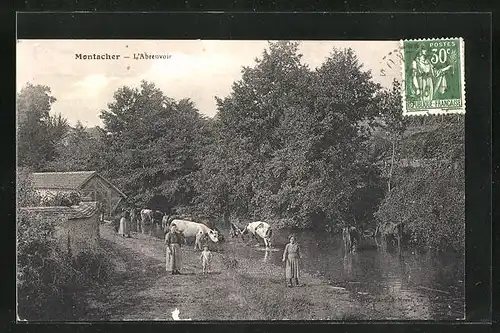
(46, 272)
(431, 205)
(284, 223)
(94, 264)
(47, 275)
(37, 265)
(61, 199)
(26, 194)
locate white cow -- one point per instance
(261, 230)
(194, 229)
(147, 214)
(146, 218)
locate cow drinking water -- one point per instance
(199, 231)
(259, 229)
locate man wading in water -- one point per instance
(173, 256)
(291, 256)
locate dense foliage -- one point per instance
(288, 141)
(44, 270)
(61, 199)
(152, 143)
(309, 148)
(38, 130)
(429, 194)
(26, 194)
(78, 150)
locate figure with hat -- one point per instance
(427, 80)
(291, 257)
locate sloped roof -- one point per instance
(73, 180)
(61, 180)
(82, 211)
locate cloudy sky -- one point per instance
(198, 69)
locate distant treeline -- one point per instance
(298, 147)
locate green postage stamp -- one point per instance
(433, 76)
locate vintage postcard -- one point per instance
(223, 180)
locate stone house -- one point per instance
(78, 226)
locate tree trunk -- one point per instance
(392, 165)
(226, 219)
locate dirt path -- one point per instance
(141, 289)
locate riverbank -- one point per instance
(237, 289)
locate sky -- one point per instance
(196, 69)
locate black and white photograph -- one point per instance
(240, 180)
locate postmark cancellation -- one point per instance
(433, 76)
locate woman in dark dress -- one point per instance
(291, 257)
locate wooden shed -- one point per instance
(89, 184)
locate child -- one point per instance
(206, 259)
(291, 256)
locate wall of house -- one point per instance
(102, 192)
(78, 234)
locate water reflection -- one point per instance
(266, 255)
(383, 273)
(406, 279)
(348, 265)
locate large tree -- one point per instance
(246, 136)
(38, 130)
(152, 143)
(289, 140)
(78, 150)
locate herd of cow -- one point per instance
(148, 219)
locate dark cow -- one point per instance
(157, 217)
(391, 233)
(134, 220)
(151, 218)
(234, 231)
